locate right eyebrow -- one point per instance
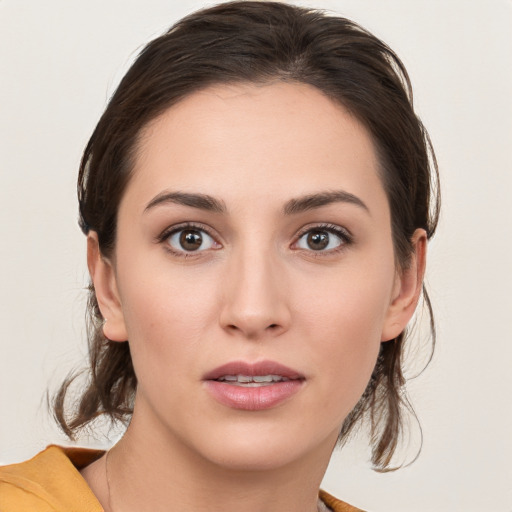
(200, 201)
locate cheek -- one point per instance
(166, 315)
(349, 303)
(345, 316)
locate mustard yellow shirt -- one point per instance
(51, 482)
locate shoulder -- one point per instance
(336, 505)
(49, 482)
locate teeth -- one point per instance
(263, 378)
(252, 381)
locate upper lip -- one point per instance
(253, 369)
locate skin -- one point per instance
(257, 291)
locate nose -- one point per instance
(255, 296)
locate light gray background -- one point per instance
(59, 62)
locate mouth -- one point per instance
(253, 386)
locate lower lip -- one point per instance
(253, 398)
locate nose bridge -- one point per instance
(254, 295)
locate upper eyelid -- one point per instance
(324, 226)
(199, 226)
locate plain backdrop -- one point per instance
(60, 61)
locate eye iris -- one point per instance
(318, 240)
(191, 240)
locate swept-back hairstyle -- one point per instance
(259, 42)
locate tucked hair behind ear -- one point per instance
(259, 42)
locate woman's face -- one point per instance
(254, 274)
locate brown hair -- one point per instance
(259, 42)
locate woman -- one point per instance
(257, 203)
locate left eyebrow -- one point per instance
(200, 201)
(312, 201)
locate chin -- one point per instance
(258, 457)
(264, 449)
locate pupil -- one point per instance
(191, 240)
(318, 240)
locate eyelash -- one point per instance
(342, 233)
(165, 235)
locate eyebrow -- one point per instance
(200, 201)
(312, 201)
(292, 207)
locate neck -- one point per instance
(159, 473)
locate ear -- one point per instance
(104, 280)
(407, 289)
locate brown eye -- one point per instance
(323, 239)
(317, 240)
(191, 240)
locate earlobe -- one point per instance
(104, 280)
(406, 293)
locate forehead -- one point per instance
(247, 141)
